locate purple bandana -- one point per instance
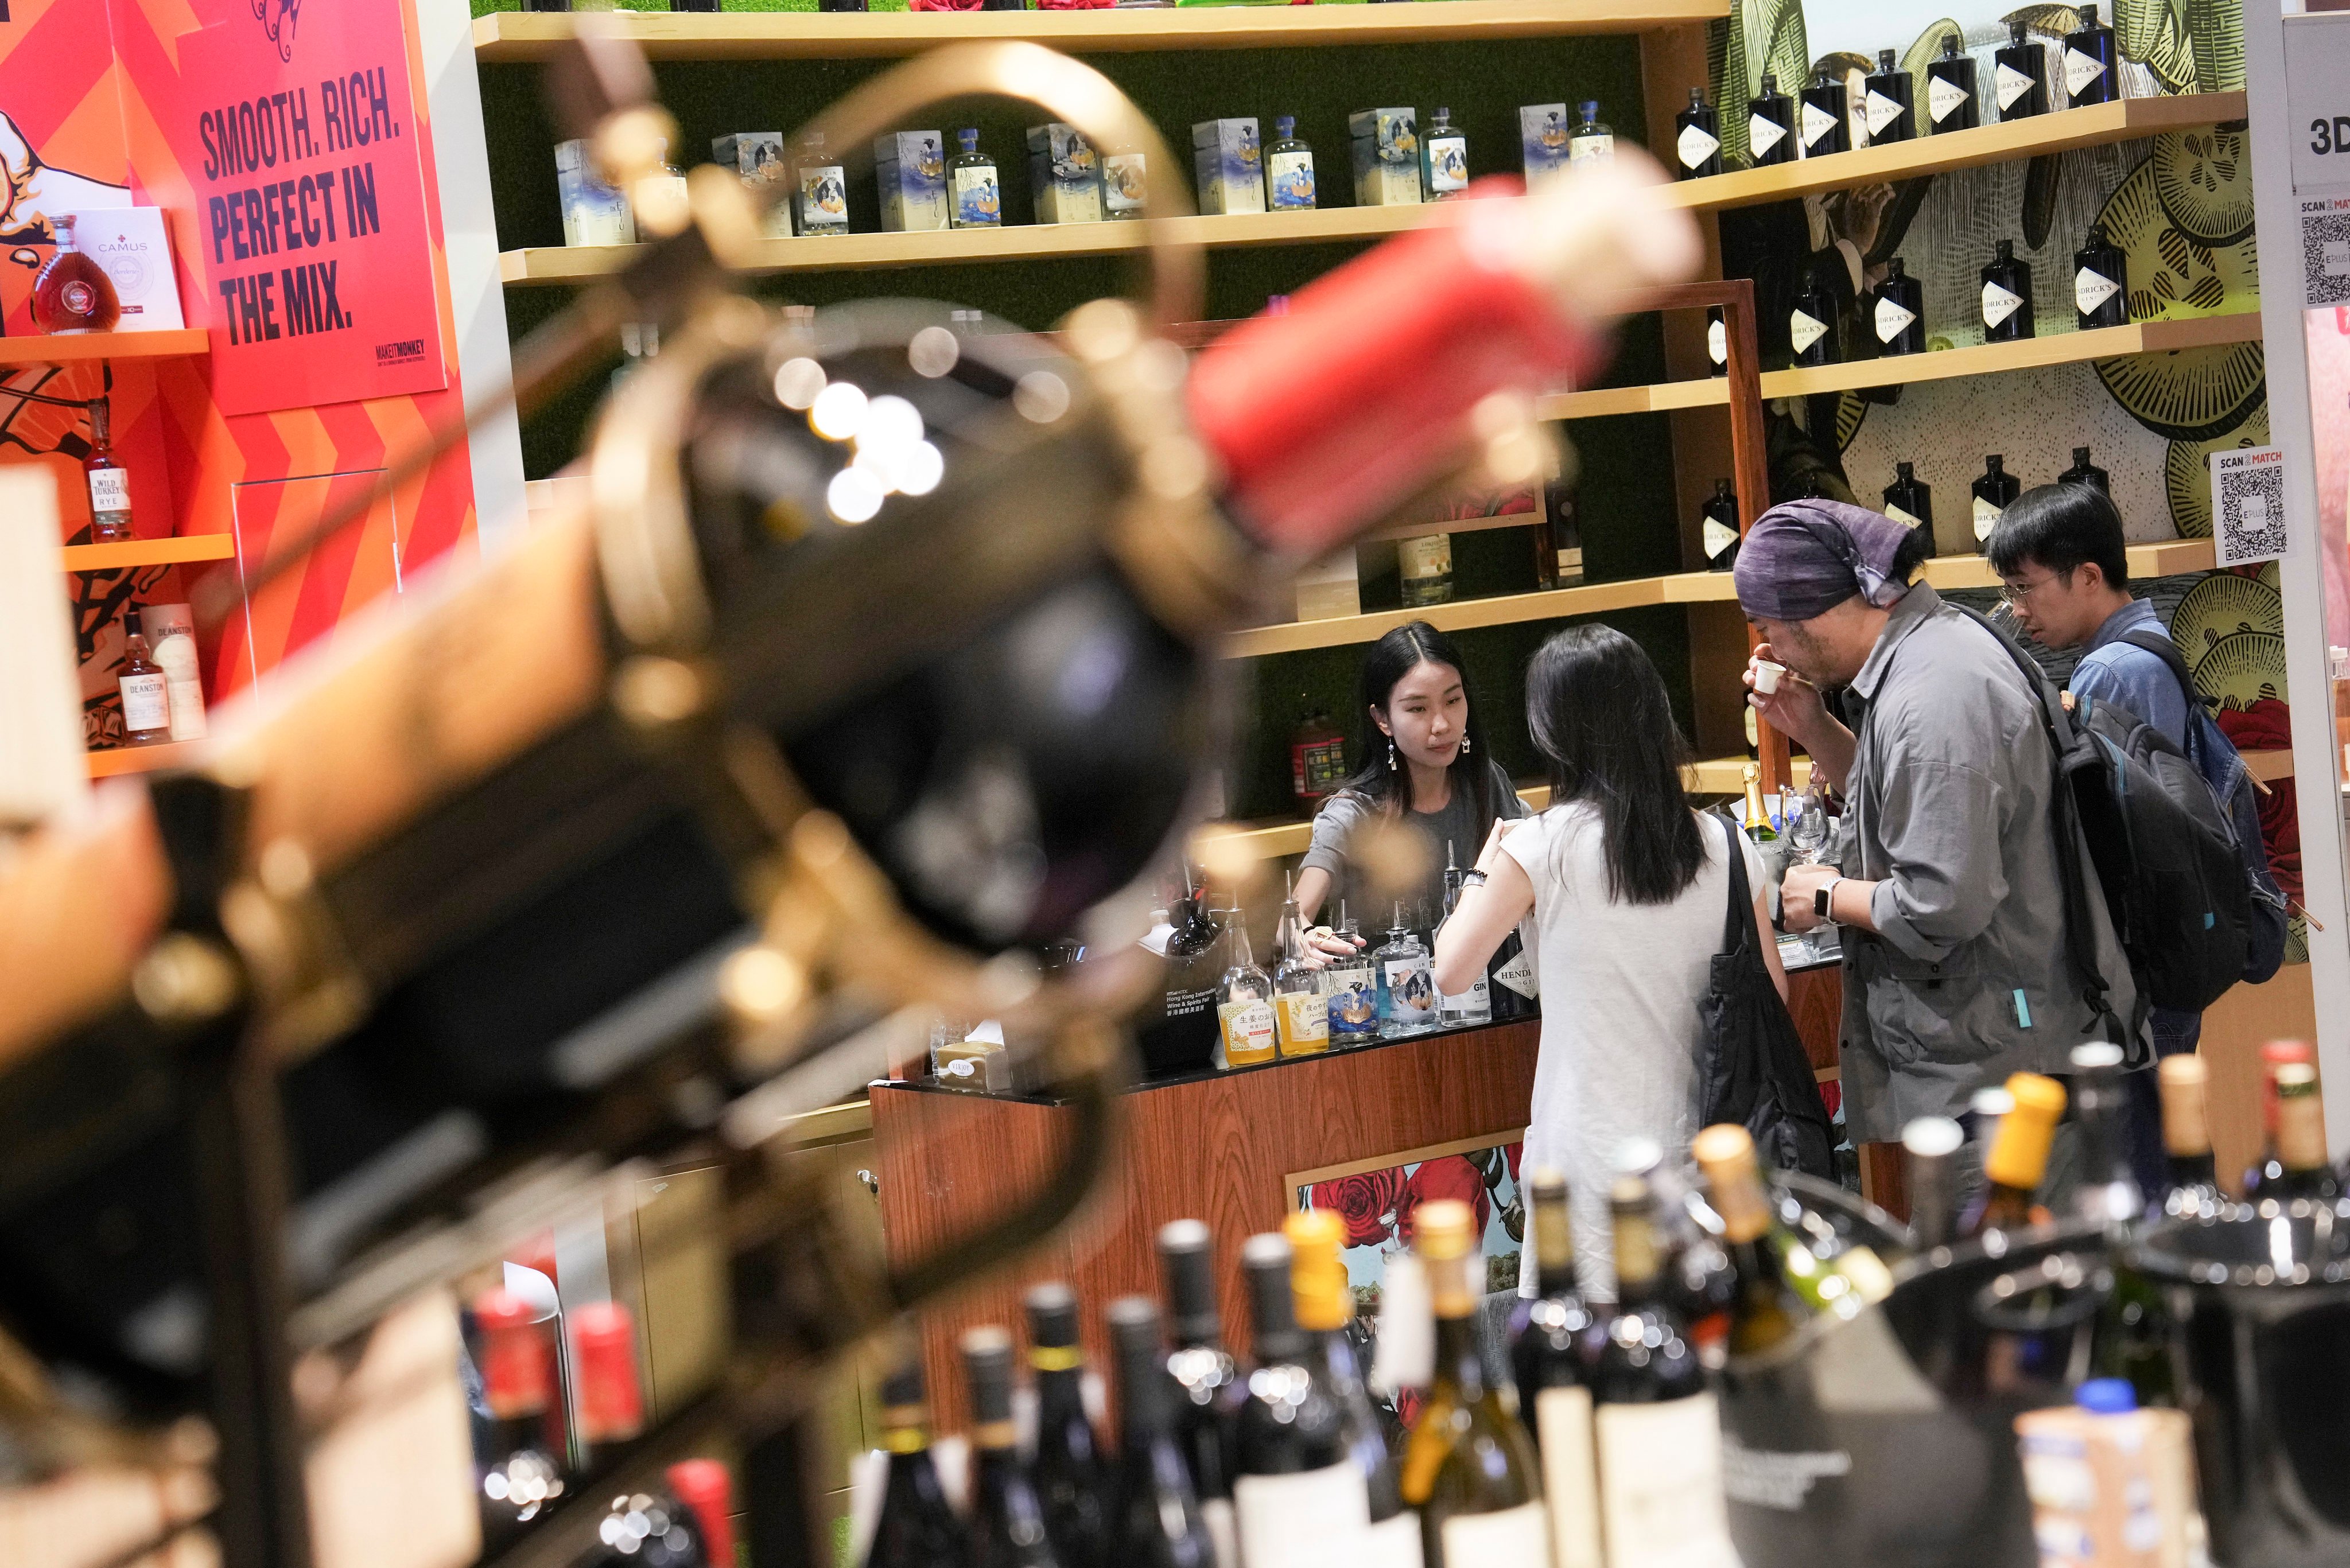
(1802, 559)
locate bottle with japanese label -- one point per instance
(1718, 527)
(1407, 989)
(1592, 141)
(1823, 122)
(820, 190)
(1886, 108)
(1288, 168)
(1717, 341)
(1427, 564)
(974, 200)
(2083, 471)
(1244, 1027)
(1301, 1021)
(109, 481)
(1951, 90)
(1812, 317)
(1995, 491)
(1770, 124)
(71, 293)
(1899, 314)
(1350, 991)
(1317, 760)
(2006, 296)
(146, 695)
(1910, 500)
(2020, 75)
(1444, 159)
(2090, 77)
(2100, 281)
(1474, 1006)
(1697, 138)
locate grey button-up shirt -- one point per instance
(1967, 979)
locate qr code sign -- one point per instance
(2325, 257)
(2248, 504)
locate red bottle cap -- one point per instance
(611, 1404)
(518, 1363)
(704, 1486)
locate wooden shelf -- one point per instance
(169, 552)
(142, 759)
(2127, 120)
(2168, 558)
(75, 349)
(507, 38)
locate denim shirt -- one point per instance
(1968, 978)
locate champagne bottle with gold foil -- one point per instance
(2018, 1156)
(1768, 1309)
(1467, 1466)
(2276, 1053)
(1551, 1355)
(2193, 1188)
(1323, 1302)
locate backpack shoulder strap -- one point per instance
(2161, 647)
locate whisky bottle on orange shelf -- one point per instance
(109, 481)
(72, 293)
(145, 699)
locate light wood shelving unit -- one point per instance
(80, 347)
(508, 37)
(177, 550)
(141, 759)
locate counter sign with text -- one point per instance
(317, 261)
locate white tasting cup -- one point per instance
(1766, 675)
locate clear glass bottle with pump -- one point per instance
(1697, 138)
(1591, 140)
(1444, 159)
(1350, 988)
(1244, 1027)
(1288, 168)
(2090, 62)
(1301, 1021)
(1950, 103)
(1824, 122)
(1770, 124)
(1887, 106)
(2020, 75)
(1474, 1006)
(1407, 988)
(2006, 296)
(974, 199)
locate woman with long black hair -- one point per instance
(1422, 765)
(1629, 887)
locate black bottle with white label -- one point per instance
(2020, 75)
(1888, 110)
(1770, 124)
(2090, 63)
(2006, 296)
(1910, 500)
(1697, 138)
(2100, 281)
(1995, 491)
(1812, 317)
(1821, 123)
(2083, 471)
(1717, 341)
(1898, 317)
(1718, 528)
(1951, 90)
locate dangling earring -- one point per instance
(1392, 755)
(1466, 745)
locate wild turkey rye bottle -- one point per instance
(1209, 1386)
(2006, 296)
(1551, 1352)
(1899, 316)
(1071, 1478)
(1951, 89)
(1887, 108)
(1007, 1520)
(1770, 124)
(2020, 75)
(1697, 138)
(2100, 281)
(1323, 1301)
(916, 1528)
(1156, 1521)
(1298, 1495)
(2193, 1189)
(2018, 1156)
(1910, 500)
(109, 481)
(1467, 1466)
(1824, 120)
(1995, 491)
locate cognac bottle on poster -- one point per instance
(72, 293)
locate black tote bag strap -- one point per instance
(1738, 930)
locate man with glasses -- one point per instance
(1943, 872)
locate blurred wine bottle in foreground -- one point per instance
(2193, 1189)
(1553, 1341)
(1071, 1481)
(1930, 1146)
(1208, 1386)
(1324, 1301)
(1007, 1522)
(519, 1477)
(2303, 1169)
(1156, 1521)
(917, 1528)
(1297, 1496)
(2018, 1158)
(2275, 1055)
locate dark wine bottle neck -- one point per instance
(2194, 1170)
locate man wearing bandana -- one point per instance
(1944, 876)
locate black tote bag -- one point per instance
(1752, 1067)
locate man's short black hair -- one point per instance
(2060, 527)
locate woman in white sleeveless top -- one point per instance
(1628, 886)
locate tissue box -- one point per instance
(1230, 165)
(1543, 130)
(911, 166)
(758, 157)
(594, 213)
(1063, 175)
(1385, 143)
